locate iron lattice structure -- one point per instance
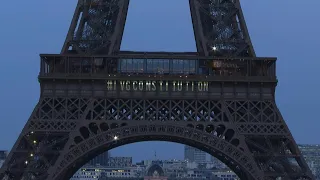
(220, 99)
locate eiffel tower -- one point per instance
(94, 97)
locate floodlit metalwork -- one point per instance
(94, 97)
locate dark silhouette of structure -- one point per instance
(94, 97)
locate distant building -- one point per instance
(225, 174)
(152, 170)
(120, 162)
(217, 163)
(174, 164)
(311, 154)
(197, 174)
(97, 173)
(195, 155)
(183, 169)
(101, 159)
(155, 172)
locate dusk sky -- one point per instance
(286, 29)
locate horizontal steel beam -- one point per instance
(161, 55)
(235, 79)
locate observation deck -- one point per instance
(157, 74)
(171, 66)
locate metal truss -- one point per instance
(236, 120)
(220, 28)
(64, 133)
(96, 27)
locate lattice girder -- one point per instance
(220, 24)
(97, 27)
(144, 131)
(237, 123)
(270, 143)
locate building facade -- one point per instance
(95, 173)
(120, 162)
(195, 155)
(100, 160)
(311, 154)
(154, 170)
(197, 165)
(217, 163)
(225, 174)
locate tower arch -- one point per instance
(220, 99)
(233, 156)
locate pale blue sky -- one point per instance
(287, 29)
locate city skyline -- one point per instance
(265, 46)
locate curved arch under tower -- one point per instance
(220, 99)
